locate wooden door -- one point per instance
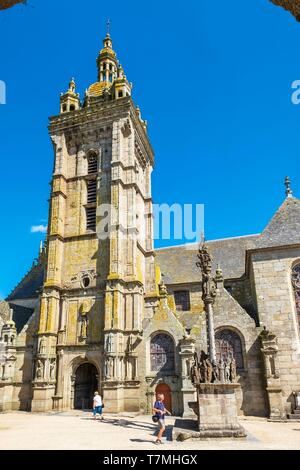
(166, 391)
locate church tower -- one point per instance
(100, 284)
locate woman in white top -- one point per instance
(97, 405)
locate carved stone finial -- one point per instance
(219, 275)
(288, 190)
(205, 259)
(163, 290)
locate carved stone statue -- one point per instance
(227, 373)
(203, 371)
(216, 373)
(39, 370)
(208, 370)
(221, 371)
(109, 367)
(52, 369)
(84, 326)
(233, 374)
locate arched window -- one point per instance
(162, 353)
(228, 343)
(296, 286)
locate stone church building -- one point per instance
(111, 313)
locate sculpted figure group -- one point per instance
(204, 371)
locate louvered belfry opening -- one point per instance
(91, 218)
(92, 164)
(91, 184)
(91, 191)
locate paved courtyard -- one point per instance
(76, 430)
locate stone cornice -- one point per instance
(102, 111)
(249, 253)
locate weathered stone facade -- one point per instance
(112, 313)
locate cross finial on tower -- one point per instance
(108, 24)
(287, 183)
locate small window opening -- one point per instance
(91, 218)
(182, 300)
(86, 281)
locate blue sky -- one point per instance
(213, 79)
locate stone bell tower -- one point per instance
(100, 273)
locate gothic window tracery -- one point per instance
(228, 343)
(162, 353)
(296, 287)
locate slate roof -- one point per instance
(178, 263)
(28, 286)
(284, 227)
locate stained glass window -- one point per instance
(162, 353)
(228, 343)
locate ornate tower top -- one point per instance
(111, 78)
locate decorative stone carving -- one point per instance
(203, 371)
(5, 310)
(273, 384)
(52, 369)
(126, 129)
(84, 326)
(39, 374)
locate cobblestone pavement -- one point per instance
(76, 430)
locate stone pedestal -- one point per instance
(272, 376)
(274, 393)
(187, 351)
(217, 410)
(6, 396)
(42, 398)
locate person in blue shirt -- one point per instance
(160, 411)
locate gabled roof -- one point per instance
(284, 227)
(30, 284)
(178, 263)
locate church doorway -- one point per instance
(86, 384)
(166, 391)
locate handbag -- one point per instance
(155, 419)
(102, 405)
